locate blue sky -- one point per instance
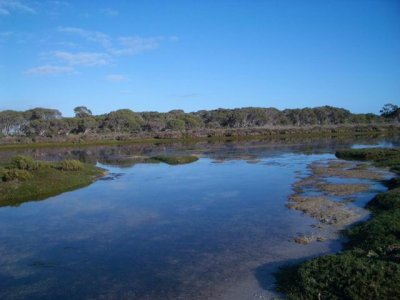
(161, 55)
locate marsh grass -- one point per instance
(44, 179)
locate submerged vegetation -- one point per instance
(369, 267)
(24, 178)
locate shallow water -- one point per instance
(154, 231)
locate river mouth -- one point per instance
(156, 231)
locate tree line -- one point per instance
(50, 122)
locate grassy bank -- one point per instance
(24, 179)
(369, 266)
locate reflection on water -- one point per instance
(154, 231)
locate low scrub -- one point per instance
(377, 234)
(385, 201)
(24, 163)
(382, 157)
(16, 174)
(342, 276)
(71, 165)
(24, 179)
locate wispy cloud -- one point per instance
(110, 48)
(127, 45)
(83, 58)
(116, 77)
(91, 36)
(49, 70)
(135, 45)
(109, 12)
(7, 7)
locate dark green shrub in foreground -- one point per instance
(344, 276)
(377, 234)
(385, 201)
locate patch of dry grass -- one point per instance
(324, 210)
(345, 170)
(343, 189)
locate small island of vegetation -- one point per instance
(175, 160)
(369, 266)
(24, 178)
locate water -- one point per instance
(154, 231)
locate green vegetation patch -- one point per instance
(175, 160)
(369, 268)
(25, 179)
(343, 276)
(382, 157)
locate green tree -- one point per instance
(82, 112)
(389, 110)
(176, 124)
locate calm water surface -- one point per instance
(154, 231)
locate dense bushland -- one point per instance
(42, 122)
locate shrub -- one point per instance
(377, 234)
(344, 276)
(2, 173)
(71, 165)
(16, 174)
(385, 201)
(24, 163)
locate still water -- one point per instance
(154, 231)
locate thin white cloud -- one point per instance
(91, 36)
(88, 59)
(109, 12)
(49, 70)
(115, 77)
(127, 45)
(7, 7)
(111, 48)
(135, 45)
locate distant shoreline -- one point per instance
(169, 136)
